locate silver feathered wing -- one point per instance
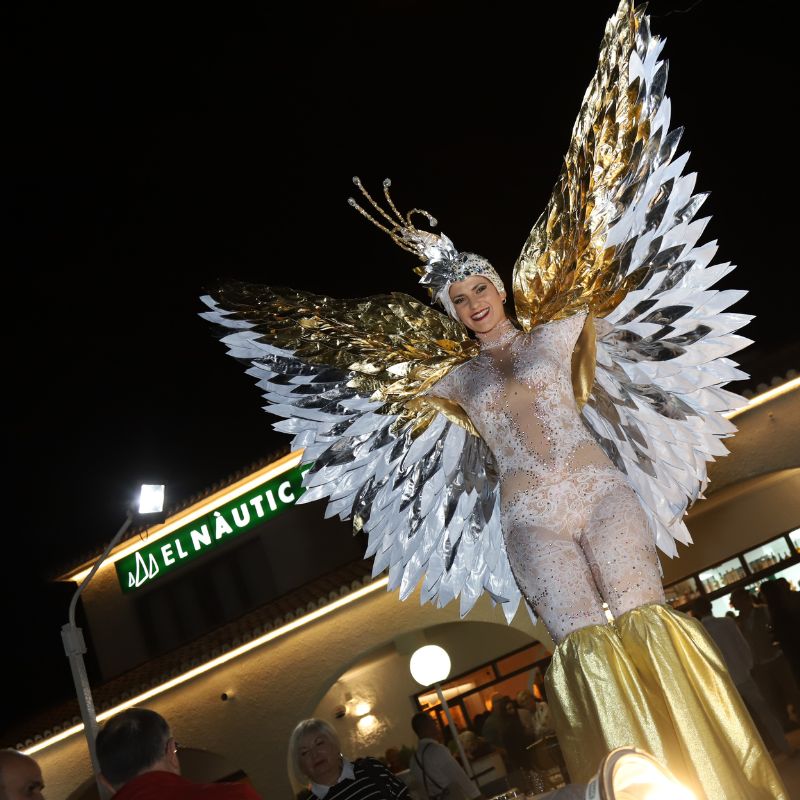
(619, 236)
(347, 378)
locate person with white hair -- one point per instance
(534, 714)
(316, 759)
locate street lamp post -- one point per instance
(430, 665)
(151, 501)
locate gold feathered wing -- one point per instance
(618, 237)
(348, 378)
(565, 264)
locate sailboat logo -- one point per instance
(144, 571)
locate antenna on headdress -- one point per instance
(443, 264)
(402, 231)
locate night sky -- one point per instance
(157, 153)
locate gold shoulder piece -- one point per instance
(584, 360)
(451, 410)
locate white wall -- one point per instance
(736, 518)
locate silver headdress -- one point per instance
(443, 264)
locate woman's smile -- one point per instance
(477, 302)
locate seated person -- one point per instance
(316, 758)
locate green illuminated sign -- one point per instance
(184, 544)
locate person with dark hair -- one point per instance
(772, 670)
(491, 728)
(739, 660)
(478, 722)
(784, 609)
(515, 740)
(138, 759)
(515, 744)
(436, 773)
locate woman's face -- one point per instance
(319, 759)
(478, 303)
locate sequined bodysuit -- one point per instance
(574, 531)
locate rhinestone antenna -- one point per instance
(443, 264)
(401, 229)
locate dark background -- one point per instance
(158, 151)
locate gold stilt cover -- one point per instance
(655, 680)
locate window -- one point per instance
(469, 695)
(509, 665)
(768, 555)
(729, 571)
(778, 557)
(682, 592)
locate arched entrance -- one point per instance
(371, 702)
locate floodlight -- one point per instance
(631, 774)
(151, 499)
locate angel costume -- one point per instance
(546, 462)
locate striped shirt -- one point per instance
(370, 780)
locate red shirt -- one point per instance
(159, 785)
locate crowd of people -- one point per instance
(434, 771)
(139, 757)
(759, 647)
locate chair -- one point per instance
(547, 762)
(490, 773)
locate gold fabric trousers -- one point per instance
(655, 680)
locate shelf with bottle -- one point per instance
(790, 573)
(769, 559)
(722, 575)
(683, 592)
(768, 555)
